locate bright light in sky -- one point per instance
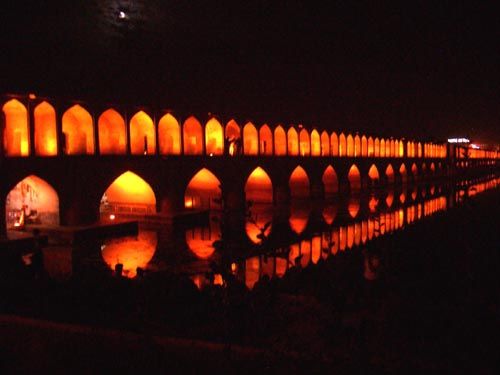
(458, 140)
(122, 15)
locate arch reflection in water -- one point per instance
(299, 216)
(258, 223)
(200, 240)
(353, 206)
(131, 252)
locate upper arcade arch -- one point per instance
(315, 143)
(169, 135)
(193, 136)
(250, 139)
(304, 143)
(293, 142)
(325, 144)
(78, 130)
(112, 133)
(142, 134)
(350, 145)
(214, 137)
(16, 134)
(45, 130)
(279, 141)
(334, 144)
(266, 140)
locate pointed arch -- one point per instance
(32, 201)
(354, 178)
(250, 139)
(403, 173)
(393, 148)
(382, 148)
(233, 130)
(16, 132)
(193, 136)
(342, 145)
(388, 153)
(142, 134)
(78, 129)
(265, 140)
(304, 143)
(364, 146)
(279, 141)
(419, 149)
(401, 149)
(259, 187)
(330, 181)
(350, 145)
(112, 133)
(432, 168)
(169, 135)
(373, 173)
(293, 142)
(414, 170)
(203, 191)
(325, 143)
(357, 146)
(128, 194)
(45, 130)
(214, 137)
(315, 143)
(376, 148)
(389, 173)
(334, 144)
(299, 183)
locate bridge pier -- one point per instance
(78, 207)
(3, 224)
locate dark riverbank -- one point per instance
(428, 302)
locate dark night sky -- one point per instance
(430, 69)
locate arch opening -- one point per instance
(325, 144)
(169, 135)
(142, 134)
(299, 184)
(304, 143)
(193, 137)
(250, 139)
(16, 134)
(279, 141)
(203, 191)
(45, 130)
(266, 140)
(259, 188)
(330, 181)
(373, 174)
(293, 142)
(334, 144)
(315, 143)
(112, 137)
(342, 145)
(214, 137)
(78, 130)
(354, 178)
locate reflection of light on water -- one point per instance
(372, 204)
(389, 199)
(299, 217)
(200, 240)
(259, 222)
(252, 270)
(353, 207)
(129, 251)
(329, 213)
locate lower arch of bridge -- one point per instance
(330, 181)
(389, 173)
(299, 183)
(203, 191)
(402, 172)
(373, 173)
(414, 170)
(32, 201)
(259, 188)
(127, 195)
(354, 178)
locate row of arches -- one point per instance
(141, 135)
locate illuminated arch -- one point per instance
(315, 143)
(200, 240)
(304, 143)
(203, 191)
(112, 137)
(414, 170)
(16, 133)
(266, 140)
(259, 188)
(382, 148)
(370, 148)
(354, 178)
(250, 139)
(214, 137)
(419, 149)
(393, 148)
(350, 145)
(32, 201)
(364, 146)
(409, 149)
(376, 148)
(402, 172)
(388, 148)
(389, 173)
(279, 141)
(193, 137)
(299, 183)
(45, 130)
(342, 145)
(142, 134)
(330, 181)
(325, 144)
(293, 142)
(128, 194)
(233, 130)
(169, 135)
(299, 217)
(334, 144)
(401, 149)
(357, 146)
(432, 167)
(78, 128)
(373, 173)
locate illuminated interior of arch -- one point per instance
(353, 206)
(203, 191)
(402, 172)
(78, 129)
(131, 252)
(325, 144)
(45, 130)
(258, 224)
(364, 146)
(392, 148)
(354, 178)
(214, 137)
(334, 144)
(342, 145)
(199, 240)
(299, 183)
(279, 141)
(432, 167)
(401, 149)
(373, 173)
(376, 148)
(252, 271)
(32, 201)
(414, 170)
(128, 194)
(304, 143)
(330, 213)
(259, 188)
(250, 139)
(388, 148)
(16, 136)
(389, 173)
(350, 145)
(265, 140)
(169, 135)
(357, 146)
(293, 142)
(389, 199)
(371, 147)
(315, 143)
(330, 181)
(299, 216)
(193, 137)
(382, 148)
(233, 130)
(112, 137)
(419, 149)
(142, 134)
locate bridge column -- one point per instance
(233, 194)
(3, 224)
(317, 187)
(169, 198)
(281, 188)
(78, 204)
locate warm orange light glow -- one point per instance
(112, 137)
(353, 207)
(130, 252)
(315, 143)
(376, 148)
(279, 141)
(371, 147)
(334, 144)
(389, 173)
(329, 213)
(233, 131)
(325, 144)
(299, 183)
(382, 148)
(78, 128)
(259, 223)
(414, 170)
(354, 178)
(259, 187)
(169, 135)
(402, 172)
(350, 145)
(45, 130)
(390, 198)
(373, 173)
(330, 181)
(293, 142)
(372, 204)
(142, 134)
(364, 146)
(203, 190)
(193, 137)
(299, 216)
(357, 146)
(200, 239)
(15, 138)
(250, 139)
(252, 271)
(265, 140)
(214, 138)
(305, 251)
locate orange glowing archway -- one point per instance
(315, 143)
(250, 139)
(142, 134)
(342, 145)
(299, 183)
(169, 135)
(373, 173)
(233, 130)
(304, 143)
(432, 167)
(32, 201)
(414, 170)
(389, 173)
(371, 148)
(382, 148)
(354, 178)
(325, 144)
(266, 140)
(112, 137)
(200, 239)
(330, 181)
(350, 145)
(259, 188)
(279, 141)
(203, 191)
(388, 148)
(78, 128)
(128, 194)
(357, 146)
(334, 144)
(402, 172)
(293, 142)
(45, 130)
(364, 146)
(214, 137)
(193, 137)
(16, 135)
(376, 148)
